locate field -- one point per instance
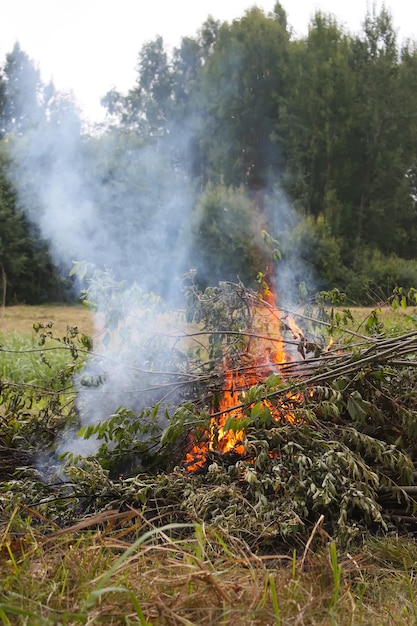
(20, 318)
(120, 567)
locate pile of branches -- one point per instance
(346, 460)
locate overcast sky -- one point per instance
(90, 46)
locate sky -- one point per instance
(90, 46)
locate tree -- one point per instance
(147, 107)
(315, 118)
(241, 79)
(164, 106)
(349, 134)
(226, 241)
(24, 95)
(382, 206)
(27, 274)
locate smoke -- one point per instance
(292, 273)
(105, 200)
(123, 209)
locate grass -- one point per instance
(20, 318)
(20, 350)
(395, 320)
(23, 361)
(22, 358)
(136, 574)
(118, 568)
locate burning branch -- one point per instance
(259, 436)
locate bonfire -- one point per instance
(276, 429)
(265, 355)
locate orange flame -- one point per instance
(266, 356)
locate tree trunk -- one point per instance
(4, 283)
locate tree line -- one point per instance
(311, 139)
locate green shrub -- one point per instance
(227, 237)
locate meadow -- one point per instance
(122, 567)
(20, 318)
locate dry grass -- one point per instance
(117, 569)
(122, 570)
(20, 318)
(400, 318)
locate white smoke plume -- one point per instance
(111, 203)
